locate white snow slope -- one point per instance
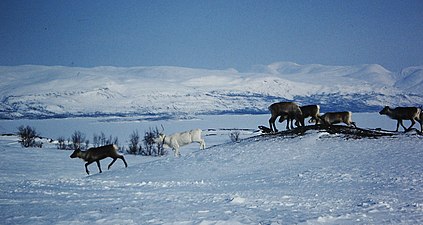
(317, 178)
(55, 91)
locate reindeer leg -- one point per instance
(123, 159)
(272, 123)
(398, 124)
(317, 121)
(98, 164)
(287, 123)
(176, 152)
(412, 124)
(292, 123)
(202, 144)
(402, 124)
(110, 165)
(301, 122)
(86, 167)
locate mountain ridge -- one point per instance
(32, 91)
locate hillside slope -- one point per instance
(317, 178)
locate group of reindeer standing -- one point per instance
(290, 110)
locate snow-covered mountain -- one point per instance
(411, 79)
(55, 91)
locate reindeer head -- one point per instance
(160, 138)
(384, 110)
(320, 120)
(75, 153)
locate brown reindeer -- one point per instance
(285, 109)
(312, 111)
(97, 154)
(330, 118)
(404, 113)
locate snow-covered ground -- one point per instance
(317, 178)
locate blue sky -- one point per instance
(216, 34)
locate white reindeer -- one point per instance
(177, 140)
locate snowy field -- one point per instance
(317, 178)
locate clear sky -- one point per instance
(214, 34)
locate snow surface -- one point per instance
(317, 178)
(58, 92)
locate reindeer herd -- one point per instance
(288, 111)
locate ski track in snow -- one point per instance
(317, 178)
